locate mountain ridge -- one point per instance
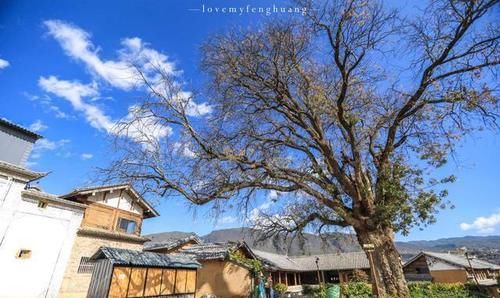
(484, 247)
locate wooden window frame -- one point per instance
(119, 229)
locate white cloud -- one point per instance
(142, 127)
(184, 150)
(38, 126)
(137, 125)
(228, 219)
(48, 145)
(483, 225)
(4, 63)
(47, 104)
(74, 92)
(86, 156)
(256, 213)
(45, 145)
(122, 72)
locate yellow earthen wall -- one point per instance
(449, 276)
(223, 279)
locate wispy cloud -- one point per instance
(135, 125)
(43, 146)
(228, 219)
(38, 126)
(48, 106)
(483, 224)
(4, 63)
(75, 92)
(122, 72)
(86, 156)
(256, 213)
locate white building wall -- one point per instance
(48, 232)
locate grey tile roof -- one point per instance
(277, 261)
(209, 251)
(169, 240)
(336, 261)
(458, 260)
(119, 256)
(19, 128)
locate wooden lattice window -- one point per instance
(86, 265)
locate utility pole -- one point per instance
(369, 248)
(317, 268)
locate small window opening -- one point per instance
(23, 254)
(86, 265)
(42, 204)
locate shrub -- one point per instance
(280, 288)
(360, 276)
(419, 290)
(356, 289)
(442, 290)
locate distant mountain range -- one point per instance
(487, 247)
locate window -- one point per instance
(86, 265)
(126, 225)
(422, 270)
(42, 204)
(23, 254)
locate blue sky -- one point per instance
(41, 64)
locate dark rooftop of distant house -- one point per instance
(119, 256)
(170, 240)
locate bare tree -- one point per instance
(345, 112)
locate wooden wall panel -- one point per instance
(153, 282)
(191, 281)
(180, 281)
(168, 284)
(119, 282)
(97, 217)
(105, 217)
(137, 280)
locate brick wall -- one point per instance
(76, 284)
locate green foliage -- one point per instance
(238, 257)
(280, 288)
(356, 289)
(317, 292)
(441, 290)
(419, 290)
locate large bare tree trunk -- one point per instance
(386, 262)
